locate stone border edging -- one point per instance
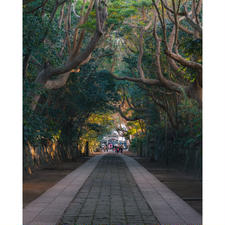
(166, 205)
(49, 207)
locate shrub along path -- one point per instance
(109, 189)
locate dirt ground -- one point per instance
(187, 186)
(44, 178)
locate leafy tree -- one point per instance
(84, 61)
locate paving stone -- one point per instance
(43, 223)
(84, 219)
(47, 218)
(109, 196)
(28, 217)
(68, 219)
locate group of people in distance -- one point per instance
(118, 148)
(115, 148)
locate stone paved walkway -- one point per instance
(110, 189)
(109, 196)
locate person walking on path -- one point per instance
(121, 148)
